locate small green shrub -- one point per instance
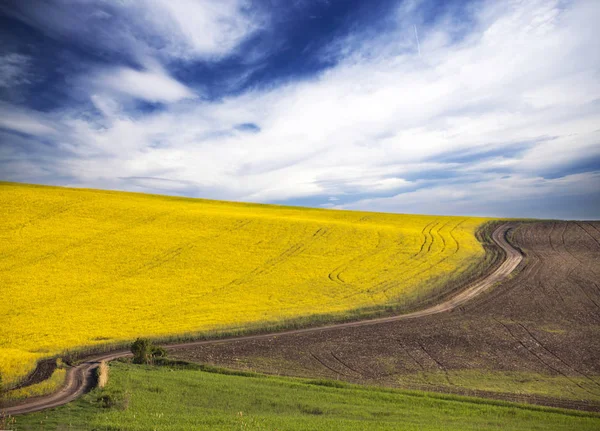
(114, 400)
(144, 351)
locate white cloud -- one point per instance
(196, 28)
(152, 86)
(25, 121)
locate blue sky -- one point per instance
(442, 107)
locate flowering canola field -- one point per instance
(85, 267)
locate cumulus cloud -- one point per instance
(502, 110)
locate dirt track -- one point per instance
(537, 333)
(80, 377)
(78, 380)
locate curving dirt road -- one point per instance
(80, 378)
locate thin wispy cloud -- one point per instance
(148, 85)
(493, 110)
(14, 70)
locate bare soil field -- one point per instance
(533, 338)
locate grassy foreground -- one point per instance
(165, 398)
(89, 267)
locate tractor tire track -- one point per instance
(437, 363)
(543, 346)
(553, 367)
(327, 366)
(292, 251)
(336, 274)
(345, 364)
(596, 240)
(385, 287)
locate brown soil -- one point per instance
(545, 321)
(43, 371)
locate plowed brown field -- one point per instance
(534, 338)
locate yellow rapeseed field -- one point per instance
(86, 267)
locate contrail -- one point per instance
(417, 37)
